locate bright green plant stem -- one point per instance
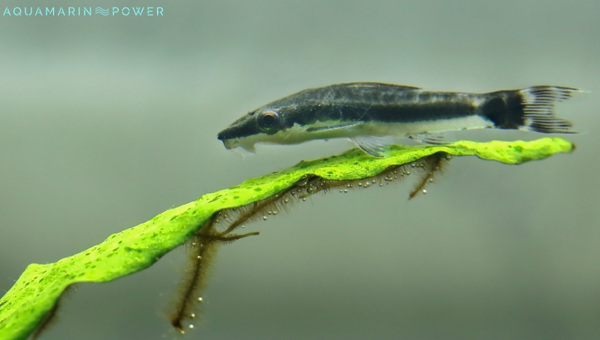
(38, 289)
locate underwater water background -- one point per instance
(107, 121)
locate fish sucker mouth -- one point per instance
(231, 143)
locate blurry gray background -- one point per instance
(107, 121)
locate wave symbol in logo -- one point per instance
(101, 11)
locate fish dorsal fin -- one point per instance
(374, 146)
(409, 87)
(377, 84)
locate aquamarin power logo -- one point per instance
(134, 11)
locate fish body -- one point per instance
(365, 112)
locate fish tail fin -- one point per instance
(530, 109)
(538, 108)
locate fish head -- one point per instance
(297, 118)
(263, 125)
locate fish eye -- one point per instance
(268, 120)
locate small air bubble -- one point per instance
(191, 326)
(424, 191)
(431, 180)
(303, 199)
(199, 257)
(200, 299)
(265, 217)
(192, 315)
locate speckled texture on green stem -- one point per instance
(24, 306)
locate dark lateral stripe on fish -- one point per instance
(400, 113)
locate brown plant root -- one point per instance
(203, 247)
(431, 165)
(222, 225)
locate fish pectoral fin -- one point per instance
(331, 127)
(374, 146)
(427, 138)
